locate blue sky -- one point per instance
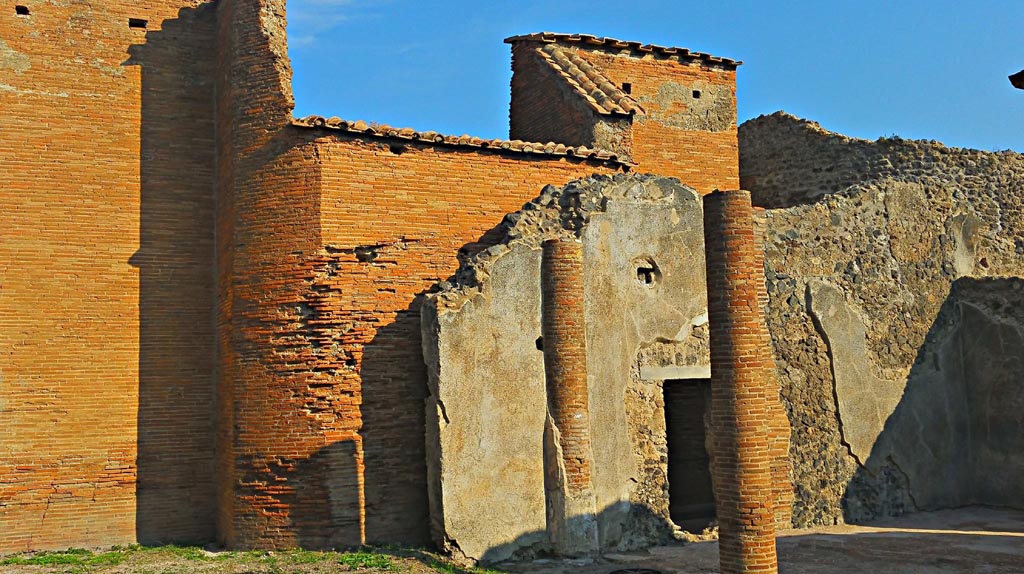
(918, 69)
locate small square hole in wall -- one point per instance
(138, 23)
(22, 11)
(627, 87)
(696, 94)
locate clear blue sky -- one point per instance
(923, 69)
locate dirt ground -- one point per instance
(964, 541)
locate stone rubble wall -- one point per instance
(866, 246)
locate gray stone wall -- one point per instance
(875, 255)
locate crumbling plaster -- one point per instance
(487, 402)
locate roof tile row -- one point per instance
(598, 91)
(667, 51)
(431, 137)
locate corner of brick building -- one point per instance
(271, 475)
(687, 127)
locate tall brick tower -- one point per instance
(669, 110)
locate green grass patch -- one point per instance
(306, 556)
(366, 560)
(190, 553)
(69, 557)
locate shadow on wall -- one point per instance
(954, 438)
(394, 388)
(394, 391)
(175, 489)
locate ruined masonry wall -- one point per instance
(106, 295)
(389, 217)
(486, 411)
(865, 245)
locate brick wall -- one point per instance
(742, 413)
(106, 295)
(692, 138)
(704, 159)
(178, 279)
(272, 487)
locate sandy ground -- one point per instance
(970, 540)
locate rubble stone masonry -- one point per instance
(883, 259)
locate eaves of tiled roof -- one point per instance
(665, 51)
(383, 131)
(597, 90)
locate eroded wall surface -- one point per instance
(106, 283)
(487, 403)
(870, 248)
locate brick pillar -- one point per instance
(568, 457)
(782, 485)
(741, 416)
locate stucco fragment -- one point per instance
(12, 59)
(692, 106)
(864, 400)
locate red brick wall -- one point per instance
(705, 160)
(272, 488)
(406, 215)
(106, 294)
(743, 392)
(120, 309)
(326, 243)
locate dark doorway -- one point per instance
(691, 497)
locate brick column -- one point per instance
(741, 416)
(568, 456)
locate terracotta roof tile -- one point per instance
(598, 91)
(515, 146)
(587, 39)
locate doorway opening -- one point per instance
(691, 496)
